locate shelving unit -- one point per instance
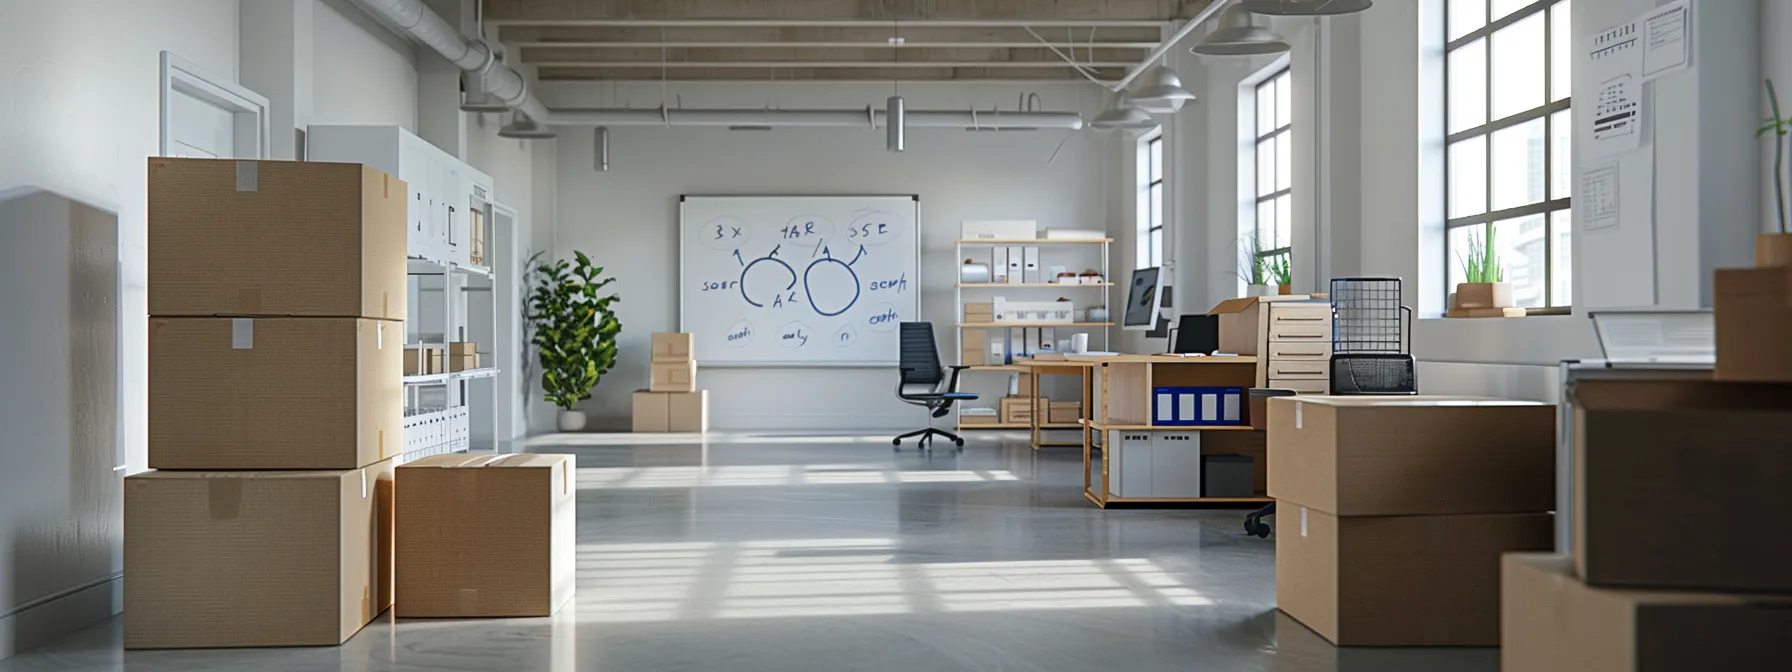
(1123, 402)
(1098, 291)
(438, 408)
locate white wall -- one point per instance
(626, 220)
(78, 117)
(362, 73)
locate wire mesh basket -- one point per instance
(1374, 373)
(1367, 316)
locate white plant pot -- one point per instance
(1261, 290)
(572, 421)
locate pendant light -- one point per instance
(521, 127)
(1239, 35)
(1165, 95)
(1306, 7)
(895, 112)
(1123, 116)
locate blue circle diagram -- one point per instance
(833, 299)
(747, 279)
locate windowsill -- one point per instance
(1534, 340)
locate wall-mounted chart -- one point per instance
(797, 280)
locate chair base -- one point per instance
(1253, 521)
(926, 438)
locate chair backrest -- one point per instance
(920, 359)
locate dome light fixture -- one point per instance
(521, 127)
(1306, 7)
(1239, 35)
(1123, 116)
(1165, 95)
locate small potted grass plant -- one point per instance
(1252, 269)
(1775, 248)
(1280, 273)
(1485, 285)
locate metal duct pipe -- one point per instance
(864, 117)
(416, 21)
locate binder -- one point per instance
(1016, 265)
(998, 265)
(1030, 264)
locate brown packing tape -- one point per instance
(382, 441)
(385, 304)
(224, 497)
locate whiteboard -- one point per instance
(798, 280)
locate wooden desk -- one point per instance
(1125, 384)
(1040, 422)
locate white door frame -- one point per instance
(249, 108)
(503, 256)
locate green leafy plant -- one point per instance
(1780, 127)
(1279, 270)
(575, 330)
(1482, 264)
(1251, 268)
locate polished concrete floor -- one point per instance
(760, 552)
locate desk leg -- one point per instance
(1034, 419)
(1085, 413)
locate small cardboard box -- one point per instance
(1485, 312)
(1753, 309)
(462, 349)
(1395, 456)
(1398, 580)
(232, 237)
(485, 536)
(1551, 622)
(1675, 482)
(1240, 322)
(1017, 410)
(255, 558)
(673, 347)
(980, 312)
(465, 362)
(274, 393)
(976, 347)
(437, 361)
(672, 376)
(417, 360)
(1483, 295)
(1065, 413)
(671, 411)
(1025, 385)
(969, 419)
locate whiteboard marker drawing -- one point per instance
(725, 233)
(846, 336)
(794, 335)
(740, 335)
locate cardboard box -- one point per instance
(463, 362)
(976, 348)
(1017, 410)
(275, 238)
(1773, 249)
(1025, 385)
(672, 376)
(673, 347)
(1483, 295)
(255, 558)
(968, 419)
(1240, 322)
(1676, 482)
(1551, 622)
(1754, 324)
(462, 349)
(1398, 580)
(1065, 413)
(671, 411)
(437, 361)
(1390, 456)
(274, 393)
(420, 361)
(485, 536)
(1485, 312)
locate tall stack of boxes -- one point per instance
(276, 300)
(672, 402)
(1393, 512)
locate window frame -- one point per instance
(1258, 138)
(1151, 201)
(1545, 208)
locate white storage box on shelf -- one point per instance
(449, 200)
(1017, 229)
(1034, 312)
(1153, 464)
(436, 431)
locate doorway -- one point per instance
(207, 116)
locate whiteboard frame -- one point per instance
(678, 268)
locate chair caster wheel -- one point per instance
(958, 442)
(895, 442)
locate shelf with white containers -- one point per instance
(450, 211)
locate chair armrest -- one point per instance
(952, 383)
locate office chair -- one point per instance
(920, 383)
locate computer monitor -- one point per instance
(1197, 335)
(1142, 299)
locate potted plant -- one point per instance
(1252, 269)
(1280, 272)
(1486, 286)
(575, 333)
(1775, 249)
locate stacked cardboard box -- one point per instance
(462, 356)
(1674, 481)
(1393, 512)
(276, 296)
(487, 536)
(672, 402)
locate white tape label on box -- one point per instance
(242, 333)
(1297, 416)
(1303, 522)
(379, 336)
(248, 176)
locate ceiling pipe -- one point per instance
(853, 118)
(414, 20)
(1165, 46)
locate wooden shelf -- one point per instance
(1029, 325)
(995, 367)
(1035, 241)
(1035, 285)
(1172, 428)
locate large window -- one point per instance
(1274, 157)
(1509, 126)
(1151, 201)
